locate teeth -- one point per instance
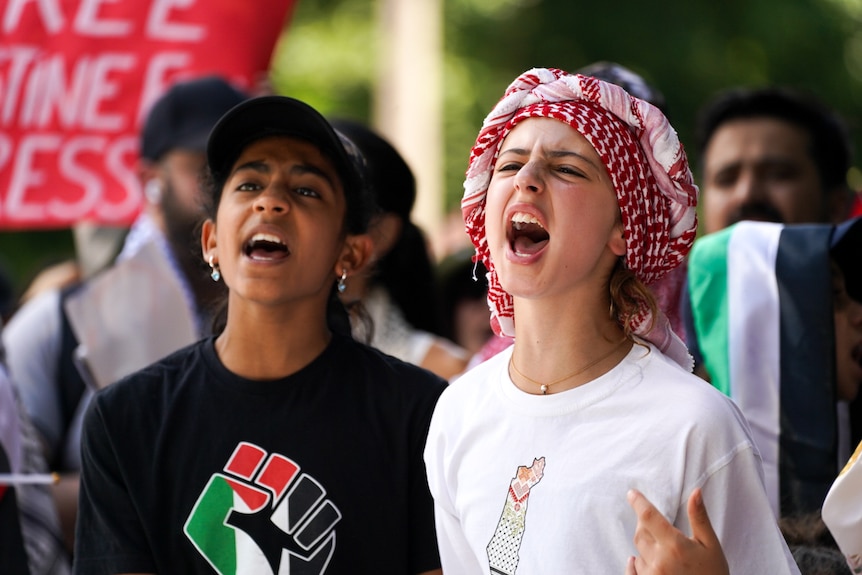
(522, 218)
(266, 238)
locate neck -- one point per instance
(569, 380)
(262, 344)
(565, 347)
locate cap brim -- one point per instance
(267, 116)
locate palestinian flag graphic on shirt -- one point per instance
(263, 516)
(761, 319)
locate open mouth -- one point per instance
(857, 355)
(526, 235)
(265, 247)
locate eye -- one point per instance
(569, 170)
(509, 167)
(307, 192)
(248, 187)
(724, 179)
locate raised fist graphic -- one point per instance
(262, 515)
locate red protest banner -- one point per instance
(78, 76)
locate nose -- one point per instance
(749, 189)
(529, 178)
(272, 199)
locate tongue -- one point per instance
(526, 246)
(269, 255)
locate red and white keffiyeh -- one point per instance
(645, 161)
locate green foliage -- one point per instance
(327, 57)
(24, 254)
(689, 49)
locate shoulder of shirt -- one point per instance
(685, 393)
(665, 370)
(37, 309)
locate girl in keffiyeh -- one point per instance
(577, 197)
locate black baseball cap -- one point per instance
(266, 116)
(386, 171)
(184, 115)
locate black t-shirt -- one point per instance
(188, 468)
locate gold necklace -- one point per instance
(544, 386)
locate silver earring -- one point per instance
(215, 274)
(341, 283)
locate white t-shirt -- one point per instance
(537, 484)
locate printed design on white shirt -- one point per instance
(263, 516)
(506, 542)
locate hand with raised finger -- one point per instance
(665, 550)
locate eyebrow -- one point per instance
(261, 167)
(553, 154)
(767, 161)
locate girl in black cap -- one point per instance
(280, 445)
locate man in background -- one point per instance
(65, 344)
(772, 154)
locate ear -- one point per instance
(355, 254)
(150, 180)
(617, 241)
(208, 240)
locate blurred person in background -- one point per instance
(772, 154)
(464, 300)
(776, 324)
(65, 343)
(399, 312)
(27, 509)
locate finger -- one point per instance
(643, 538)
(650, 519)
(630, 567)
(701, 528)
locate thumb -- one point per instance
(701, 528)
